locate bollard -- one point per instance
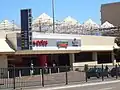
(8, 74)
(116, 71)
(40, 71)
(31, 72)
(58, 70)
(49, 70)
(14, 78)
(66, 76)
(43, 77)
(20, 74)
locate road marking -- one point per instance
(79, 85)
(106, 88)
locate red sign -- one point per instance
(39, 43)
(62, 44)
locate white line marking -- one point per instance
(106, 88)
(79, 85)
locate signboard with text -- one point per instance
(26, 34)
(39, 43)
(56, 44)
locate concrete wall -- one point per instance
(3, 61)
(111, 12)
(97, 40)
(3, 66)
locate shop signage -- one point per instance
(62, 44)
(75, 42)
(26, 34)
(40, 43)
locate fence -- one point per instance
(20, 77)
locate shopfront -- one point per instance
(48, 48)
(55, 43)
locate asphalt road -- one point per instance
(113, 86)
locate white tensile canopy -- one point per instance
(107, 25)
(70, 21)
(43, 19)
(90, 24)
(7, 25)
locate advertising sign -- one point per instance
(40, 43)
(56, 44)
(75, 42)
(62, 44)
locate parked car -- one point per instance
(113, 71)
(96, 72)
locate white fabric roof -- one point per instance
(70, 20)
(43, 18)
(90, 24)
(4, 47)
(7, 25)
(107, 25)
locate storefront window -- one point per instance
(83, 57)
(104, 57)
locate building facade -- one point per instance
(110, 12)
(61, 49)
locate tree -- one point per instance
(116, 51)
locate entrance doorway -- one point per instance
(63, 60)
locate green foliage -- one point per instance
(116, 51)
(117, 41)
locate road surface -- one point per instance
(106, 85)
(114, 86)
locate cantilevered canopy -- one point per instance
(97, 48)
(5, 48)
(21, 52)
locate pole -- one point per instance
(13, 24)
(39, 25)
(102, 72)
(4, 25)
(14, 76)
(43, 77)
(53, 12)
(66, 74)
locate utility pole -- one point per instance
(40, 26)
(4, 25)
(13, 24)
(53, 14)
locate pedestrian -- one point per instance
(54, 67)
(46, 68)
(106, 68)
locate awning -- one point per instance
(97, 48)
(5, 48)
(23, 52)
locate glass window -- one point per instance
(83, 57)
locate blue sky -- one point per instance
(78, 9)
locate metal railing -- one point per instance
(21, 77)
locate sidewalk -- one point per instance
(70, 85)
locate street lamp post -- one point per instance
(53, 13)
(13, 25)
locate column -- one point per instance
(3, 66)
(42, 60)
(94, 56)
(113, 58)
(72, 59)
